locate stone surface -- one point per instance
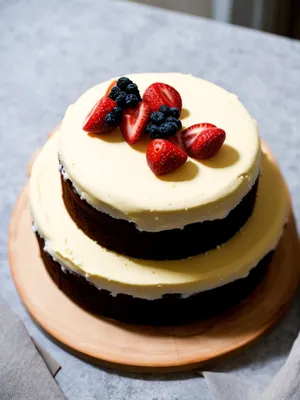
(52, 51)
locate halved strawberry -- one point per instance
(164, 156)
(202, 140)
(134, 122)
(159, 94)
(109, 88)
(178, 140)
(95, 120)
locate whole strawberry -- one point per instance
(164, 156)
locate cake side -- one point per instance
(114, 177)
(170, 309)
(148, 279)
(123, 237)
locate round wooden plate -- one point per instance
(147, 349)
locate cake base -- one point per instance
(142, 348)
(170, 309)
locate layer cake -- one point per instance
(169, 249)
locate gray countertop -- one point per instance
(51, 51)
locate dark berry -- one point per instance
(120, 100)
(131, 100)
(165, 110)
(132, 88)
(174, 112)
(114, 93)
(153, 131)
(118, 113)
(110, 119)
(157, 117)
(175, 120)
(167, 129)
(123, 82)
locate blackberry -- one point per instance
(131, 100)
(169, 111)
(176, 121)
(153, 131)
(114, 93)
(167, 129)
(120, 100)
(165, 110)
(110, 119)
(123, 82)
(132, 89)
(174, 112)
(157, 117)
(118, 113)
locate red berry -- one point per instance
(159, 94)
(134, 122)
(202, 140)
(164, 156)
(178, 140)
(95, 120)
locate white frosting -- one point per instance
(115, 178)
(151, 279)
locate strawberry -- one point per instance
(164, 156)
(178, 140)
(159, 94)
(110, 87)
(95, 120)
(202, 140)
(134, 122)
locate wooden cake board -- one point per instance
(141, 348)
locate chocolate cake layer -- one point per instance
(169, 310)
(123, 237)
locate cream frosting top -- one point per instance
(115, 178)
(151, 279)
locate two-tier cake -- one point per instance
(154, 203)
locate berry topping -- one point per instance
(176, 121)
(153, 131)
(131, 100)
(162, 127)
(159, 94)
(167, 129)
(124, 92)
(120, 99)
(95, 121)
(118, 112)
(114, 93)
(111, 119)
(165, 110)
(134, 122)
(174, 112)
(157, 117)
(178, 140)
(164, 156)
(133, 89)
(170, 112)
(123, 82)
(203, 140)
